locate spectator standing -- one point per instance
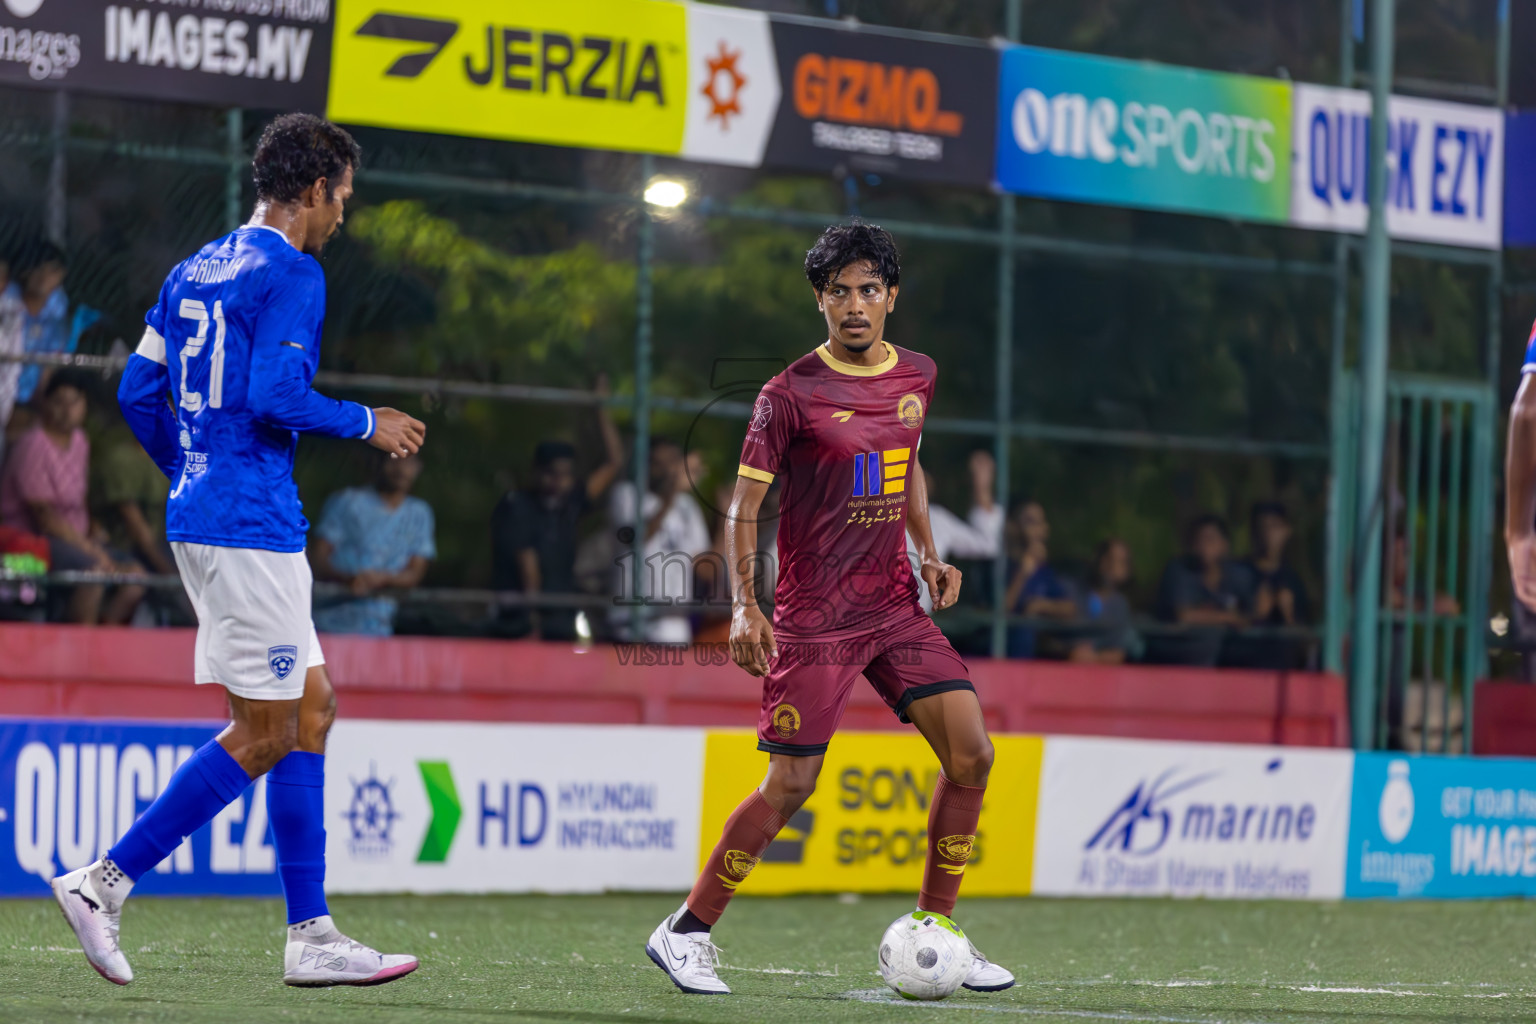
(1035, 590)
(535, 533)
(979, 535)
(12, 317)
(45, 313)
(675, 535)
(1113, 639)
(372, 539)
(1205, 589)
(43, 490)
(1279, 596)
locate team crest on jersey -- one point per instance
(786, 720)
(910, 410)
(281, 659)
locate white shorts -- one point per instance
(254, 633)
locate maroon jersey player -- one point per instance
(840, 431)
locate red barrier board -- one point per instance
(79, 672)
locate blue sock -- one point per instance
(296, 808)
(201, 788)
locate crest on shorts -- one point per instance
(910, 410)
(786, 720)
(281, 659)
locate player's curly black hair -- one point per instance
(296, 150)
(842, 245)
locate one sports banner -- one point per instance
(69, 790)
(1101, 130)
(864, 101)
(1442, 826)
(1445, 167)
(273, 53)
(433, 807)
(1140, 818)
(865, 829)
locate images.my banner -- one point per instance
(273, 54)
(1125, 133)
(865, 829)
(1445, 167)
(69, 790)
(1442, 826)
(1141, 818)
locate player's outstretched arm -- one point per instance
(1520, 493)
(144, 396)
(752, 643)
(941, 578)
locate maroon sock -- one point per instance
(748, 831)
(952, 821)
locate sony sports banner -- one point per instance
(1442, 826)
(1139, 818)
(433, 807)
(863, 101)
(69, 790)
(258, 53)
(865, 829)
(1128, 133)
(1445, 167)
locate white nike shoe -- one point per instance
(318, 955)
(985, 976)
(689, 959)
(92, 900)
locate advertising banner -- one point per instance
(1442, 826)
(263, 53)
(1520, 178)
(1135, 818)
(1101, 130)
(873, 102)
(865, 829)
(69, 790)
(457, 807)
(606, 74)
(1445, 167)
(733, 86)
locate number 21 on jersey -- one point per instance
(196, 311)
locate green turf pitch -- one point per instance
(580, 959)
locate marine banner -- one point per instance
(1138, 818)
(605, 74)
(865, 101)
(865, 829)
(1445, 167)
(1128, 133)
(250, 53)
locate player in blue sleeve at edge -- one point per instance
(218, 393)
(1520, 485)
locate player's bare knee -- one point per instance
(790, 782)
(971, 766)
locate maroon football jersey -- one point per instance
(842, 441)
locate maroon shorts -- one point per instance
(807, 688)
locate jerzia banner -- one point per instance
(251, 53)
(870, 102)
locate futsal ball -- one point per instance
(924, 956)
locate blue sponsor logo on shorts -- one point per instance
(282, 659)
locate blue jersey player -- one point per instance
(1520, 483)
(218, 392)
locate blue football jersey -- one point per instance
(1529, 366)
(221, 387)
